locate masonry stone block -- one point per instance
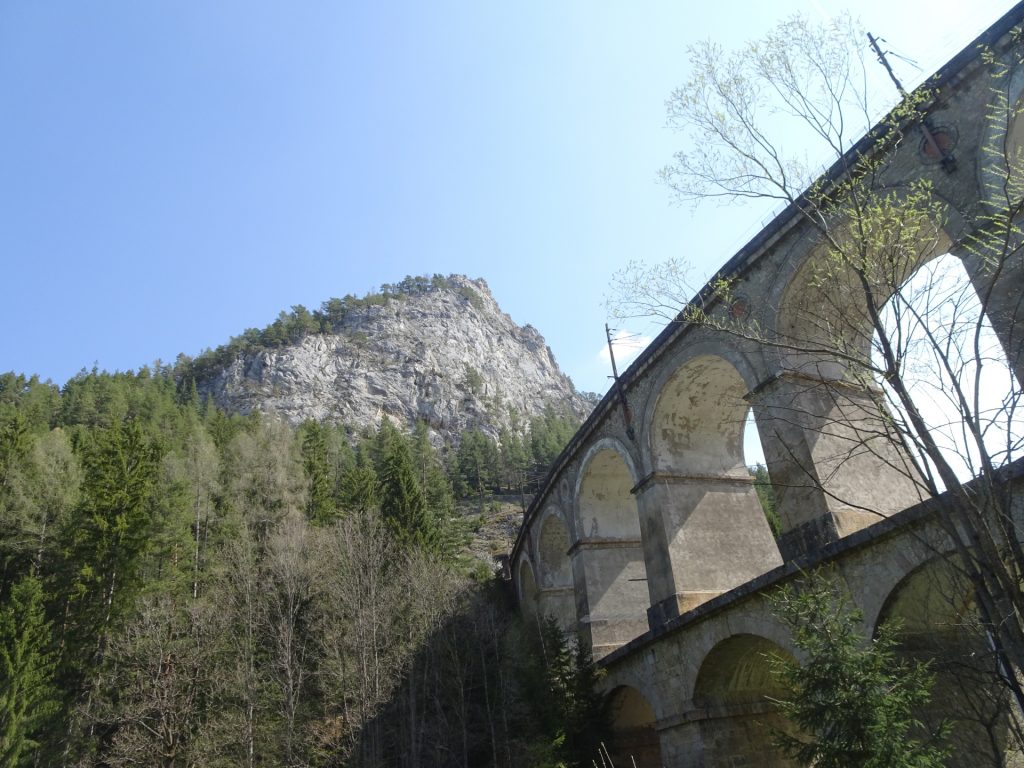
(834, 465)
(716, 538)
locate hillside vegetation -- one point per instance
(180, 586)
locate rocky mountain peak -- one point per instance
(434, 349)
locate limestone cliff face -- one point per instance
(448, 356)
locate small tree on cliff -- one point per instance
(918, 358)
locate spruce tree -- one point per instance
(320, 507)
(562, 682)
(433, 480)
(359, 487)
(852, 700)
(477, 461)
(104, 545)
(402, 501)
(27, 694)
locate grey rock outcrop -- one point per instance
(447, 356)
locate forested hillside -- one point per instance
(184, 587)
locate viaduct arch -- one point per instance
(647, 540)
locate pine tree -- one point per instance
(549, 434)
(359, 487)
(437, 487)
(402, 501)
(853, 701)
(477, 462)
(565, 695)
(14, 443)
(320, 507)
(27, 694)
(514, 460)
(105, 543)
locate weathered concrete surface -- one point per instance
(658, 534)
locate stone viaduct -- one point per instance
(648, 540)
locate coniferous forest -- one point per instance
(184, 587)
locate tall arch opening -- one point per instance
(633, 739)
(733, 695)
(700, 505)
(608, 558)
(955, 370)
(938, 625)
(835, 449)
(556, 595)
(753, 457)
(898, 384)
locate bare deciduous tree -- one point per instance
(289, 581)
(162, 670)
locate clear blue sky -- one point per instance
(172, 173)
